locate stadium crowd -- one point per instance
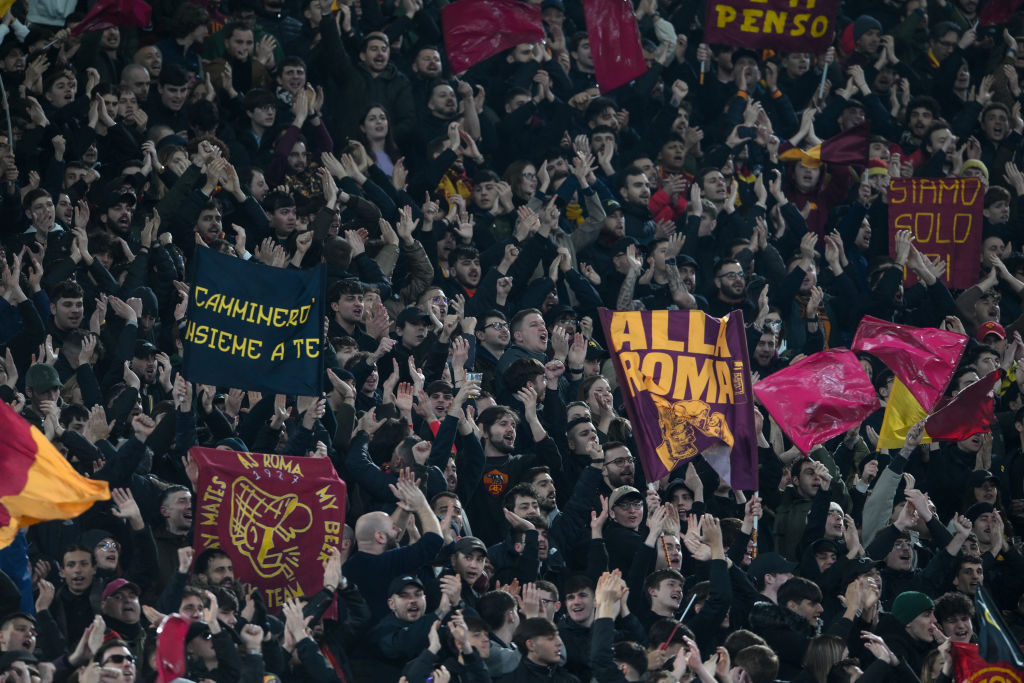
(500, 526)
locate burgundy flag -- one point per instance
(998, 12)
(614, 42)
(110, 13)
(477, 29)
(970, 412)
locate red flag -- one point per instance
(969, 666)
(109, 13)
(820, 397)
(477, 29)
(998, 12)
(170, 648)
(970, 412)
(614, 42)
(848, 147)
(36, 482)
(923, 358)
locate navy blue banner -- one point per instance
(254, 327)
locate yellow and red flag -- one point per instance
(36, 483)
(970, 412)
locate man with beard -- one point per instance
(922, 112)
(543, 486)
(116, 214)
(122, 612)
(295, 156)
(503, 468)
(237, 72)
(492, 337)
(635, 192)
(144, 365)
(405, 631)
(175, 534)
(464, 268)
(730, 291)
(378, 559)
(427, 68)
(442, 108)
(215, 568)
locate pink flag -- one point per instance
(818, 398)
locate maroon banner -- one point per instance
(614, 42)
(780, 25)
(685, 379)
(477, 29)
(923, 358)
(275, 515)
(969, 666)
(945, 216)
(819, 397)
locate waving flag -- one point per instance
(970, 412)
(922, 358)
(110, 13)
(818, 398)
(614, 42)
(848, 147)
(477, 29)
(36, 483)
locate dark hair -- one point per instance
(529, 629)
(232, 26)
(76, 548)
(925, 102)
(521, 371)
(277, 199)
(576, 583)
(740, 639)
(460, 252)
(345, 286)
(173, 74)
(495, 413)
(187, 18)
(631, 654)
(68, 289)
(531, 474)
(942, 28)
(520, 490)
(33, 195)
(492, 313)
(171, 490)
(109, 645)
(663, 629)
(798, 589)
(655, 578)
(839, 672)
(204, 558)
(953, 604)
(73, 411)
(493, 606)
(760, 663)
(597, 106)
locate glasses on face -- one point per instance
(108, 545)
(529, 176)
(119, 659)
(439, 300)
(547, 601)
(732, 276)
(496, 326)
(773, 323)
(621, 462)
(633, 504)
(901, 544)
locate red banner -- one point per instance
(818, 398)
(110, 13)
(780, 25)
(685, 379)
(945, 217)
(614, 42)
(477, 29)
(275, 515)
(969, 666)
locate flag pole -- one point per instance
(753, 536)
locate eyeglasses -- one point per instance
(901, 544)
(119, 659)
(569, 323)
(547, 601)
(773, 323)
(732, 276)
(439, 300)
(108, 545)
(620, 462)
(529, 176)
(634, 504)
(496, 326)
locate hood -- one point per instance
(767, 616)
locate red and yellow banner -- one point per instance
(275, 515)
(945, 217)
(780, 25)
(37, 484)
(969, 667)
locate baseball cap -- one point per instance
(769, 563)
(398, 583)
(118, 584)
(145, 349)
(620, 245)
(979, 509)
(979, 477)
(823, 545)
(990, 328)
(411, 315)
(858, 567)
(42, 377)
(620, 493)
(467, 544)
(196, 629)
